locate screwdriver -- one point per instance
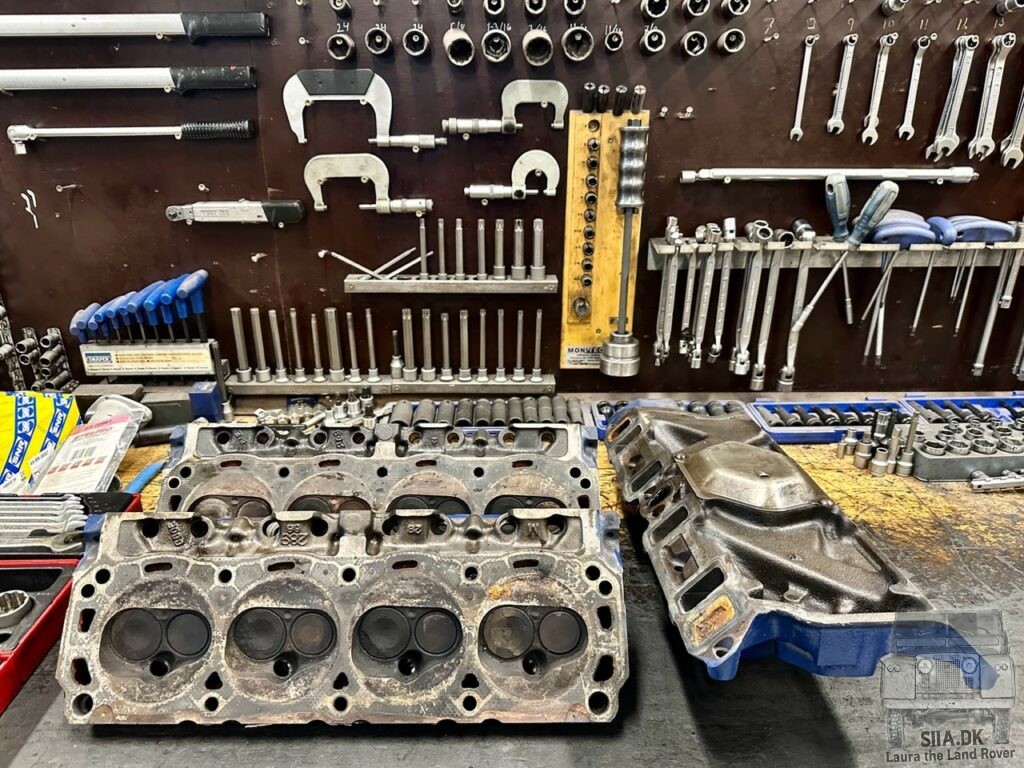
(837, 201)
(191, 288)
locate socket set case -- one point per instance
(938, 410)
(855, 414)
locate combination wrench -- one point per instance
(707, 279)
(870, 133)
(906, 129)
(720, 307)
(685, 334)
(1012, 154)
(983, 145)
(797, 132)
(752, 285)
(835, 123)
(757, 376)
(667, 300)
(946, 138)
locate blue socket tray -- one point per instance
(1001, 406)
(864, 411)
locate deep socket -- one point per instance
(396, 358)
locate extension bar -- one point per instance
(194, 26)
(955, 175)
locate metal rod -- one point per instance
(481, 373)
(924, 291)
(627, 252)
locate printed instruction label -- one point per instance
(581, 356)
(117, 361)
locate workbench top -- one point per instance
(961, 549)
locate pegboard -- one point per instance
(99, 204)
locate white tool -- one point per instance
(20, 135)
(906, 129)
(797, 132)
(835, 123)
(870, 133)
(983, 145)
(946, 138)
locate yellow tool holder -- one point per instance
(590, 294)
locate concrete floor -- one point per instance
(961, 550)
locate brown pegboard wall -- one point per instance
(105, 233)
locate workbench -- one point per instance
(962, 549)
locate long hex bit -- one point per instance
(336, 370)
(293, 319)
(262, 372)
(499, 249)
(446, 358)
(481, 372)
(353, 361)
(519, 372)
(318, 363)
(243, 372)
(460, 256)
(499, 372)
(518, 251)
(372, 372)
(481, 249)
(537, 270)
(536, 347)
(409, 369)
(464, 372)
(429, 373)
(423, 250)
(440, 249)
(396, 357)
(280, 371)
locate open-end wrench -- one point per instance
(906, 129)
(753, 285)
(835, 123)
(1011, 145)
(946, 138)
(797, 131)
(707, 279)
(870, 133)
(983, 145)
(768, 309)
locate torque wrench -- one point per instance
(275, 212)
(178, 80)
(196, 27)
(20, 135)
(954, 175)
